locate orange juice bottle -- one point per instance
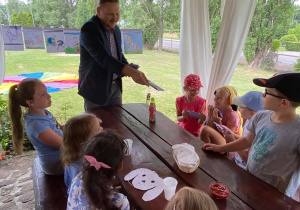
(152, 110)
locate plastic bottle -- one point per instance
(152, 110)
(148, 99)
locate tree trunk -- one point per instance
(161, 26)
(259, 57)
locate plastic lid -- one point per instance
(152, 100)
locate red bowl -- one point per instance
(219, 190)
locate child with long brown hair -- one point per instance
(188, 198)
(92, 187)
(41, 127)
(77, 131)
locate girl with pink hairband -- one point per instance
(92, 188)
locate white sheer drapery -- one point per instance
(2, 57)
(195, 42)
(195, 49)
(235, 25)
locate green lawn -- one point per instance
(162, 68)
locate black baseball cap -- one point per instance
(286, 83)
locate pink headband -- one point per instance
(95, 163)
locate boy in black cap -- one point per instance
(274, 136)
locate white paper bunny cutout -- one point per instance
(145, 179)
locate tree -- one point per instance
(271, 21)
(16, 6)
(22, 19)
(215, 21)
(85, 10)
(297, 14)
(295, 31)
(53, 13)
(142, 14)
(3, 15)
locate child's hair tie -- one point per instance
(95, 163)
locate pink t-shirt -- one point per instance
(231, 118)
(190, 124)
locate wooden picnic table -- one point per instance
(152, 149)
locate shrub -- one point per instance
(297, 66)
(288, 38)
(275, 45)
(6, 128)
(293, 46)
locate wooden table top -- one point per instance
(152, 150)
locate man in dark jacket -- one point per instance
(102, 63)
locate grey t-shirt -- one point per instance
(275, 152)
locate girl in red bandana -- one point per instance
(190, 107)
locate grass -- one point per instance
(163, 68)
(281, 49)
(169, 35)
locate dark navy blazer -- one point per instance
(97, 65)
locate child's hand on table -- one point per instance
(212, 147)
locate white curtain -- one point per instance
(195, 49)
(2, 57)
(195, 42)
(236, 20)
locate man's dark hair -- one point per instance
(102, 2)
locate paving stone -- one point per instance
(6, 190)
(18, 174)
(4, 174)
(26, 165)
(16, 185)
(26, 197)
(30, 205)
(8, 168)
(9, 206)
(7, 198)
(25, 179)
(25, 189)
(7, 182)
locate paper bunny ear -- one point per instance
(135, 173)
(154, 192)
(95, 163)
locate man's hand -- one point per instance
(136, 75)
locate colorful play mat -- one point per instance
(55, 82)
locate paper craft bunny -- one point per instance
(145, 179)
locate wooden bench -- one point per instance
(50, 192)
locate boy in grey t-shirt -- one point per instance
(274, 136)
